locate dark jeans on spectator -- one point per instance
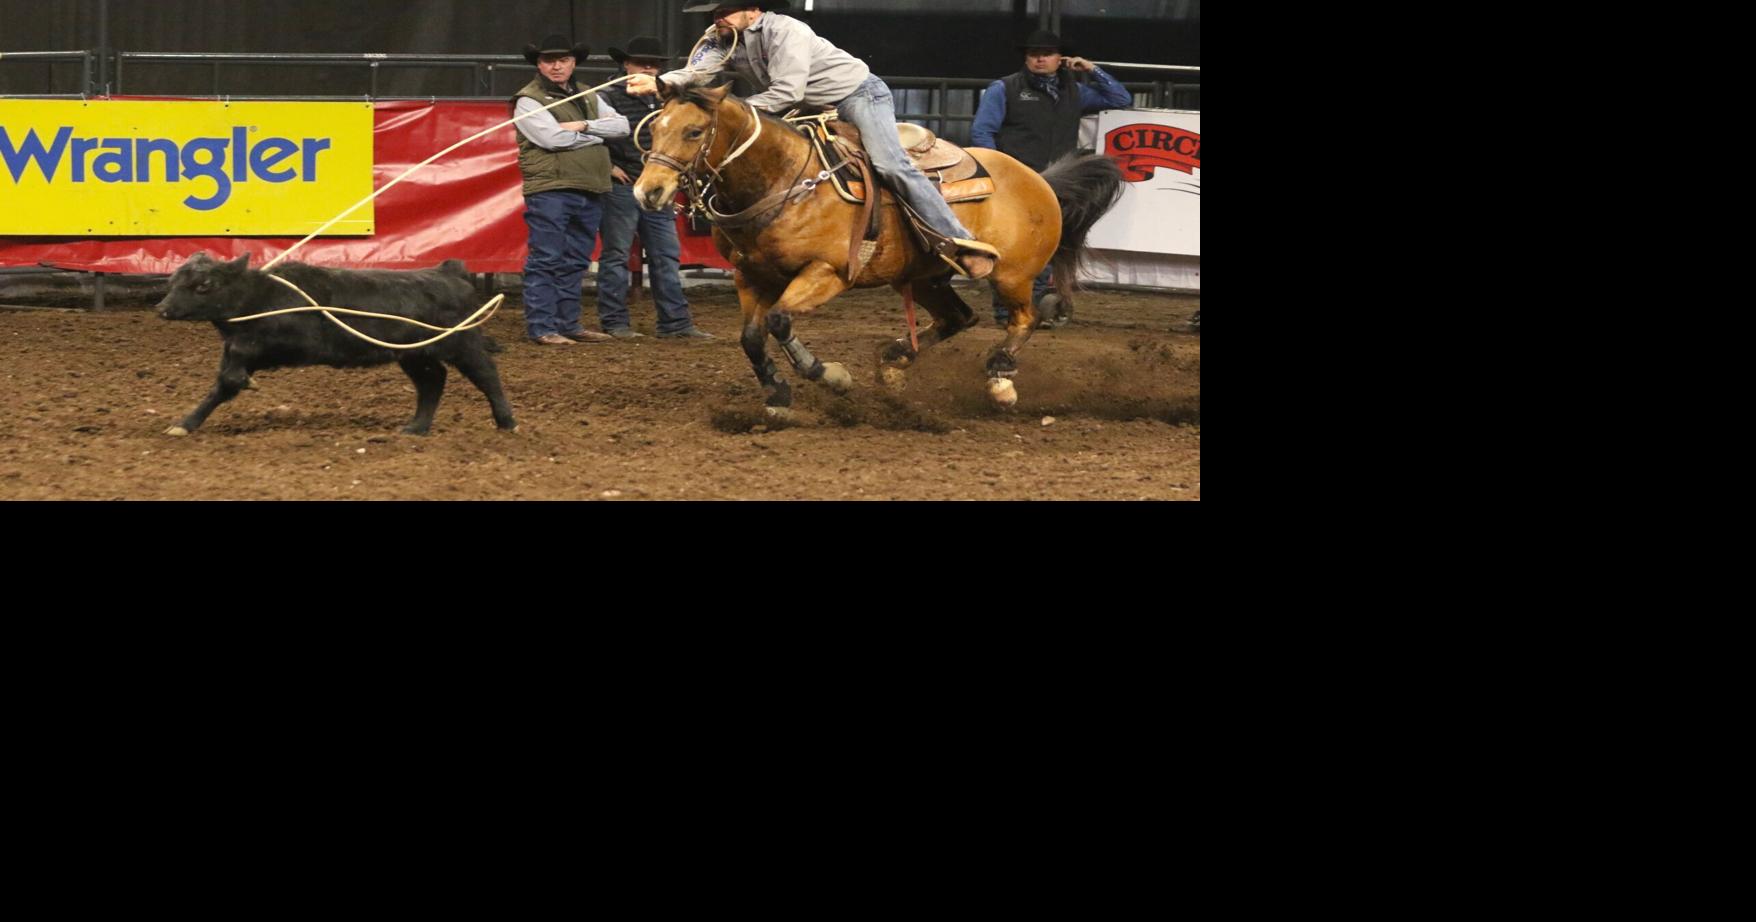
(563, 229)
(658, 237)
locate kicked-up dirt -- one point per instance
(87, 397)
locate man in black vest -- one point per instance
(1033, 115)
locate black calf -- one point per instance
(204, 289)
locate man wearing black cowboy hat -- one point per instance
(566, 171)
(790, 64)
(1033, 117)
(658, 230)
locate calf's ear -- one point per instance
(241, 263)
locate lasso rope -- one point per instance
(428, 162)
(737, 38)
(493, 305)
(482, 315)
(471, 323)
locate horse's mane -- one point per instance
(697, 96)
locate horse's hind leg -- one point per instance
(951, 316)
(1013, 290)
(810, 288)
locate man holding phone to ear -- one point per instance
(1033, 115)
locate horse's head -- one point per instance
(689, 135)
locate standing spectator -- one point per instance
(658, 230)
(566, 171)
(1033, 116)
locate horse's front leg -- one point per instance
(754, 305)
(817, 283)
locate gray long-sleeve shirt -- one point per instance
(785, 60)
(545, 130)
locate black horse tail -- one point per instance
(1087, 186)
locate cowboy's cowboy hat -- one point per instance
(642, 48)
(710, 7)
(555, 44)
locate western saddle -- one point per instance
(959, 177)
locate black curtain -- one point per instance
(343, 26)
(942, 45)
(306, 26)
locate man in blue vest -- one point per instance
(1033, 116)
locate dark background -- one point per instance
(902, 38)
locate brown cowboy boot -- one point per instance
(976, 259)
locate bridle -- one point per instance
(701, 193)
(698, 189)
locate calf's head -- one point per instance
(206, 289)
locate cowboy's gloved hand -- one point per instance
(641, 85)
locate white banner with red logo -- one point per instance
(1159, 151)
(1152, 237)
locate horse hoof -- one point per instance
(897, 353)
(893, 378)
(784, 414)
(1001, 391)
(836, 377)
(177, 431)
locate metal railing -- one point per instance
(950, 116)
(1164, 94)
(482, 69)
(942, 111)
(1168, 68)
(948, 107)
(86, 85)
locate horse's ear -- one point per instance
(718, 93)
(666, 92)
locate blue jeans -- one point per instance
(563, 229)
(658, 235)
(1038, 288)
(872, 109)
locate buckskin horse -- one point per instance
(792, 239)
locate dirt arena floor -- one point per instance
(87, 397)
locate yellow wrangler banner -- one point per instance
(99, 168)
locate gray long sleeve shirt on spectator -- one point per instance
(545, 130)
(789, 63)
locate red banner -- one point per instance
(467, 206)
(1141, 148)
